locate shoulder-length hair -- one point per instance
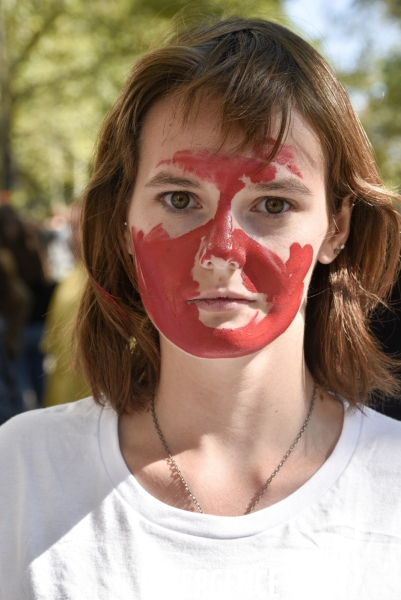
(253, 70)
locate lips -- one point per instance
(221, 302)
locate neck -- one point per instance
(229, 422)
(242, 401)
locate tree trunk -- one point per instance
(6, 171)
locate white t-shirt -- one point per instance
(76, 525)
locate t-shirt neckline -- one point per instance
(160, 514)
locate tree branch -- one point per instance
(29, 90)
(35, 38)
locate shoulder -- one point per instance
(52, 477)
(380, 426)
(46, 451)
(40, 429)
(366, 499)
(380, 443)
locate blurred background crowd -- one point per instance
(41, 279)
(62, 63)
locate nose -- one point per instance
(219, 249)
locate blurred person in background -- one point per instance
(63, 385)
(15, 300)
(58, 248)
(24, 247)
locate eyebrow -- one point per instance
(284, 185)
(163, 178)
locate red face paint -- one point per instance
(284, 157)
(165, 266)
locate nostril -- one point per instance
(221, 255)
(215, 262)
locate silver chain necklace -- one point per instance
(272, 476)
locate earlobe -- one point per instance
(337, 233)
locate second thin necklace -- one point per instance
(269, 480)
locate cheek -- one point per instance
(164, 264)
(140, 214)
(280, 281)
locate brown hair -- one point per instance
(253, 69)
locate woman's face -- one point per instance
(224, 249)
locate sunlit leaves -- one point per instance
(65, 63)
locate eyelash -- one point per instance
(162, 199)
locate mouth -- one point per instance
(221, 302)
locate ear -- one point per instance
(337, 233)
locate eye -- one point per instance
(178, 200)
(273, 206)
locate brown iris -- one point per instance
(180, 199)
(274, 205)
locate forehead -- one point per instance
(164, 132)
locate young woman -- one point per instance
(236, 236)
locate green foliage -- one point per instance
(380, 81)
(382, 119)
(62, 63)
